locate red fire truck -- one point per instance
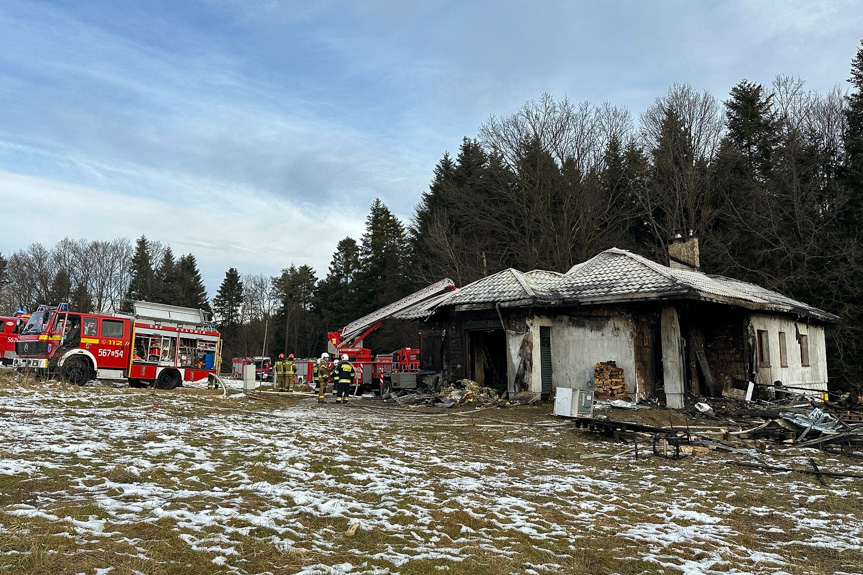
(387, 372)
(263, 367)
(159, 345)
(9, 328)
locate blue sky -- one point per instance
(257, 134)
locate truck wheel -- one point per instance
(76, 370)
(388, 389)
(168, 379)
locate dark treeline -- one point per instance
(770, 179)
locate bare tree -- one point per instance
(700, 114)
(259, 305)
(109, 265)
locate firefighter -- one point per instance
(281, 381)
(346, 374)
(334, 376)
(323, 373)
(291, 375)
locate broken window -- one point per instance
(804, 350)
(783, 358)
(763, 348)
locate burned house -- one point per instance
(645, 329)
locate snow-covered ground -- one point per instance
(251, 487)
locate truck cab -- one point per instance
(9, 329)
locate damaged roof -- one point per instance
(614, 276)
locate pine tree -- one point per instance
(451, 232)
(336, 299)
(383, 257)
(61, 287)
(852, 170)
(141, 286)
(80, 299)
(752, 125)
(166, 281)
(229, 299)
(191, 290)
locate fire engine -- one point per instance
(9, 328)
(263, 367)
(159, 345)
(383, 373)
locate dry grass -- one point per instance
(187, 482)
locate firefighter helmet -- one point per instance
(344, 357)
(291, 356)
(281, 356)
(325, 356)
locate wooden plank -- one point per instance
(705, 369)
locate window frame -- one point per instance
(762, 343)
(112, 322)
(87, 323)
(783, 355)
(804, 350)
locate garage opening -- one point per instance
(486, 358)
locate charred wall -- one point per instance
(720, 331)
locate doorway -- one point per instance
(487, 359)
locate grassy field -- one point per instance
(103, 479)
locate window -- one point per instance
(763, 348)
(89, 326)
(804, 350)
(112, 328)
(783, 357)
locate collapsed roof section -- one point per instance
(613, 276)
(360, 327)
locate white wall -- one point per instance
(577, 344)
(795, 374)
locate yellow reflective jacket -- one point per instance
(346, 372)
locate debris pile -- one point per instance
(467, 391)
(608, 381)
(459, 393)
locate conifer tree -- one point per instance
(336, 299)
(61, 287)
(80, 299)
(751, 125)
(229, 299)
(141, 286)
(383, 258)
(191, 290)
(166, 280)
(852, 171)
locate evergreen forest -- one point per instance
(770, 179)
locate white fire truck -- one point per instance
(159, 345)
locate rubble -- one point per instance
(460, 393)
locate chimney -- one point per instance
(683, 253)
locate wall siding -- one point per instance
(795, 375)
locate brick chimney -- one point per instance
(683, 252)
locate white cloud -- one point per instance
(200, 123)
(222, 227)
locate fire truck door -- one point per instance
(111, 346)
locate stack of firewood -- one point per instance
(608, 382)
